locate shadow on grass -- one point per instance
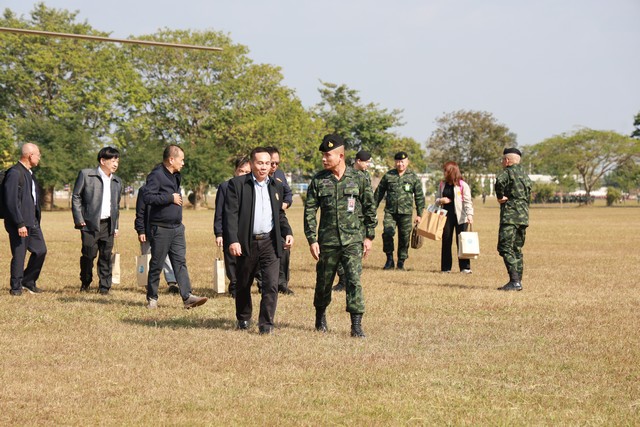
(103, 300)
(185, 323)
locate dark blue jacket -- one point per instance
(158, 195)
(219, 216)
(141, 223)
(280, 177)
(20, 210)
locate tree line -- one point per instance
(72, 97)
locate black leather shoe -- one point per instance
(340, 287)
(286, 291)
(16, 292)
(356, 326)
(32, 288)
(103, 291)
(400, 265)
(265, 330)
(84, 288)
(511, 286)
(388, 265)
(321, 321)
(243, 325)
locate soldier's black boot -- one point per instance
(400, 264)
(356, 325)
(341, 285)
(514, 283)
(321, 320)
(389, 264)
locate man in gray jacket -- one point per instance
(95, 203)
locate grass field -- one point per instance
(440, 349)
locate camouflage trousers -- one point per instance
(350, 258)
(510, 242)
(405, 225)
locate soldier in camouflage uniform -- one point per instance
(513, 190)
(360, 164)
(401, 187)
(347, 228)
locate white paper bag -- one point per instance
(218, 274)
(115, 268)
(468, 245)
(142, 269)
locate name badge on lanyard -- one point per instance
(351, 204)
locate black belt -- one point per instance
(261, 236)
(105, 220)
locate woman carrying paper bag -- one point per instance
(454, 195)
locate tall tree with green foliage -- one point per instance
(588, 153)
(363, 126)
(62, 85)
(473, 139)
(636, 125)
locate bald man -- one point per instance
(21, 201)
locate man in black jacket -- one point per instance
(164, 200)
(256, 224)
(95, 204)
(242, 168)
(21, 201)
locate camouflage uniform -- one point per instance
(514, 183)
(341, 232)
(401, 192)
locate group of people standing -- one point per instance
(252, 227)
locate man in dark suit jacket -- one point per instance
(256, 224)
(21, 201)
(96, 214)
(242, 168)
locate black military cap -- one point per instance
(400, 155)
(331, 142)
(512, 150)
(363, 156)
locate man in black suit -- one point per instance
(95, 206)
(256, 224)
(21, 201)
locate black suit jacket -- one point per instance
(18, 200)
(238, 209)
(86, 200)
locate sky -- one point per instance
(542, 67)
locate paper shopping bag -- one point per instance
(218, 273)
(468, 245)
(432, 224)
(142, 269)
(115, 268)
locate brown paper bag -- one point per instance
(218, 273)
(115, 268)
(432, 224)
(142, 269)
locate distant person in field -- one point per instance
(163, 197)
(242, 167)
(142, 227)
(513, 191)
(454, 195)
(95, 206)
(21, 211)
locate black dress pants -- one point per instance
(97, 244)
(34, 243)
(263, 257)
(451, 229)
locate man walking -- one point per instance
(242, 167)
(257, 232)
(164, 197)
(401, 187)
(95, 207)
(22, 212)
(346, 231)
(513, 191)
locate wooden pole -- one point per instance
(106, 39)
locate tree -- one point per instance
(473, 139)
(588, 153)
(636, 125)
(363, 127)
(625, 177)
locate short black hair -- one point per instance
(170, 151)
(272, 150)
(108, 153)
(241, 161)
(258, 150)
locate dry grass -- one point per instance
(441, 349)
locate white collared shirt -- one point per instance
(33, 189)
(262, 215)
(106, 194)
